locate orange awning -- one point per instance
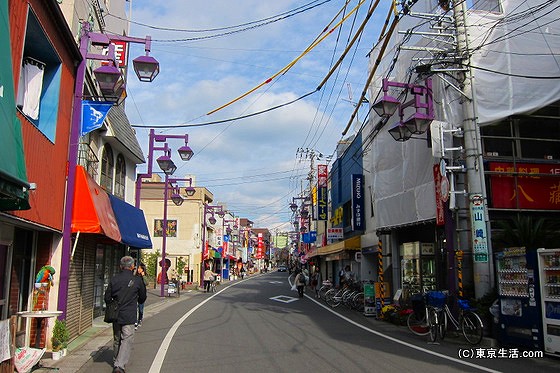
(92, 211)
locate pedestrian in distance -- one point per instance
(316, 281)
(299, 280)
(141, 272)
(129, 290)
(209, 276)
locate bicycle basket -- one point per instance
(464, 304)
(436, 299)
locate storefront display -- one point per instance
(418, 267)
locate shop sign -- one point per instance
(533, 186)
(357, 203)
(479, 234)
(440, 219)
(322, 203)
(335, 233)
(120, 52)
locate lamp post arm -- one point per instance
(164, 239)
(148, 173)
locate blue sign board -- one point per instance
(358, 223)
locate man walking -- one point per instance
(129, 290)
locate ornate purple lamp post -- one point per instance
(422, 102)
(168, 167)
(218, 209)
(112, 88)
(177, 199)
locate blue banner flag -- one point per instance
(309, 237)
(93, 114)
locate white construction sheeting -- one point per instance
(516, 45)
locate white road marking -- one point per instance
(162, 351)
(284, 299)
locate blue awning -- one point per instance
(132, 224)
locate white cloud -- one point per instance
(199, 76)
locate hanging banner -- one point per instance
(93, 114)
(309, 237)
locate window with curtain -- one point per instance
(120, 177)
(107, 169)
(39, 81)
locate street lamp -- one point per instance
(168, 167)
(422, 102)
(87, 38)
(178, 202)
(163, 161)
(218, 209)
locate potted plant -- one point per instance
(59, 339)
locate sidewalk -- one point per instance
(96, 338)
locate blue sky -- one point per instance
(252, 164)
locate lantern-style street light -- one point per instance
(208, 209)
(169, 183)
(110, 86)
(422, 102)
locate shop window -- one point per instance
(39, 81)
(107, 169)
(120, 177)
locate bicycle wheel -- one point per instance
(332, 298)
(417, 324)
(347, 298)
(432, 324)
(323, 290)
(358, 302)
(472, 327)
(442, 324)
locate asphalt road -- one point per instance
(259, 325)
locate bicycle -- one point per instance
(213, 286)
(334, 296)
(438, 312)
(326, 286)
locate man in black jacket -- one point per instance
(129, 290)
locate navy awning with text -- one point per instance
(132, 224)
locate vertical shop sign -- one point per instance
(260, 246)
(357, 202)
(440, 220)
(479, 236)
(322, 177)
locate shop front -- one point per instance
(338, 255)
(103, 226)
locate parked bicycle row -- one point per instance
(431, 314)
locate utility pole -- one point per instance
(477, 197)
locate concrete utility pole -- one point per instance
(477, 197)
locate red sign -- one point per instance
(322, 175)
(260, 246)
(525, 186)
(440, 218)
(120, 52)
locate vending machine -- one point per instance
(520, 320)
(549, 271)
